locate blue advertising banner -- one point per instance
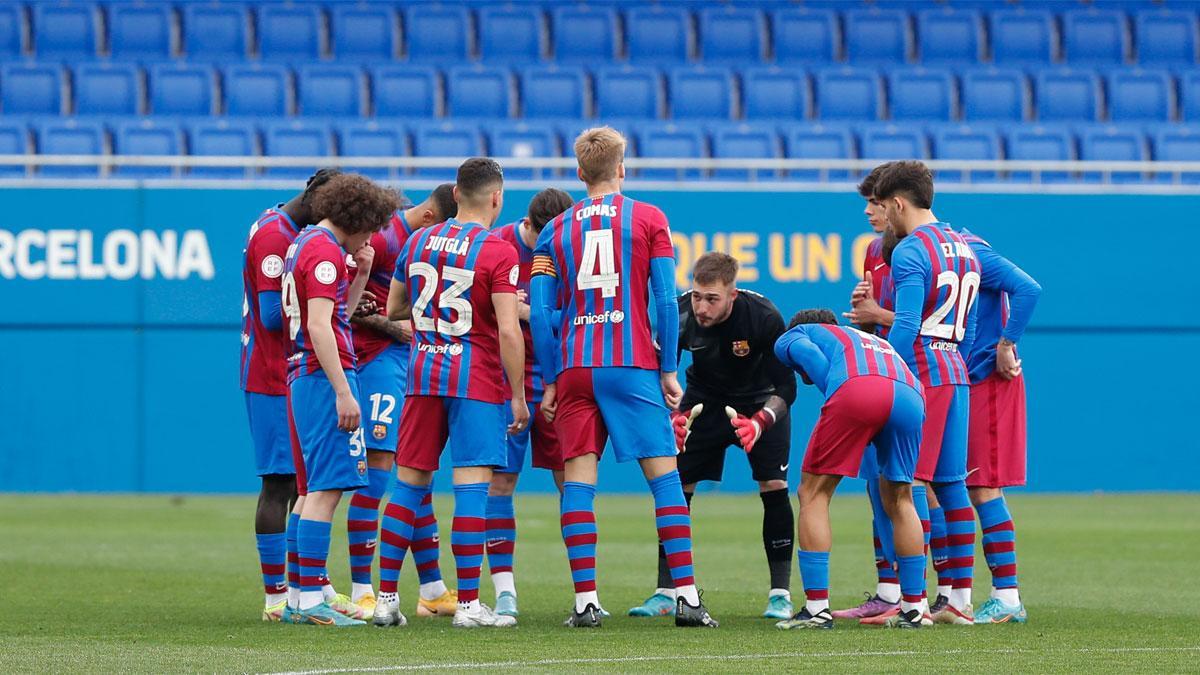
(119, 342)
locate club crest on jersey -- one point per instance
(272, 266)
(362, 467)
(741, 347)
(379, 432)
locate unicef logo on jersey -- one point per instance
(614, 316)
(446, 350)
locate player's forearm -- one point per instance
(886, 317)
(778, 407)
(543, 289)
(1023, 293)
(397, 302)
(795, 350)
(662, 285)
(910, 297)
(512, 357)
(397, 330)
(325, 347)
(354, 294)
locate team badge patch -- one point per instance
(741, 347)
(362, 467)
(514, 275)
(325, 273)
(380, 431)
(272, 266)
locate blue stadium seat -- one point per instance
(12, 31)
(137, 31)
(362, 33)
(1140, 95)
(217, 33)
(222, 138)
(437, 33)
(628, 92)
(668, 139)
(65, 31)
(257, 90)
(108, 89)
(658, 35)
(524, 139)
(181, 89)
(848, 94)
(890, 141)
(585, 34)
(146, 137)
(819, 141)
(1178, 143)
(803, 35)
(1021, 36)
(1067, 95)
(336, 91)
(372, 139)
(745, 141)
(949, 36)
(1094, 36)
(1166, 37)
(732, 34)
(70, 137)
(289, 33)
(877, 36)
(1040, 143)
(968, 143)
(295, 139)
(31, 89)
(1189, 95)
(701, 93)
(994, 94)
(921, 94)
(1113, 144)
(554, 91)
(511, 35)
(776, 93)
(14, 140)
(445, 139)
(406, 91)
(479, 91)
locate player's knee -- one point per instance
(503, 484)
(278, 489)
(381, 459)
(894, 495)
(772, 485)
(982, 495)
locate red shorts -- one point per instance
(543, 440)
(621, 403)
(297, 453)
(943, 457)
(996, 441)
(853, 417)
(474, 429)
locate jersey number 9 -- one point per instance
(291, 300)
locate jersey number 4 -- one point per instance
(450, 298)
(598, 269)
(962, 294)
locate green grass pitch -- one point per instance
(161, 584)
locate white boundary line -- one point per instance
(728, 657)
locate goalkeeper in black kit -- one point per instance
(738, 394)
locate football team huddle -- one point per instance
(380, 334)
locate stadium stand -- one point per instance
(181, 89)
(70, 137)
(948, 36)
(372, 139)
(776, 93)
(289, 33)
(108, 89)
(31, 89)
(146, 137)
(732, 34)
(14, 140)
(215, 33)
(222, 138)
(66, 31)
(363, 33)
(805, 35)
(510, 35)
(140, 32)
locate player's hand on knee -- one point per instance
(520, 412)
(749, 429)
(681, 424)
(348, 413)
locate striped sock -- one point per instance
(293, 561)
(1000, 548)
(887, 586)
(362, 526)
(674, 523)
(501, 540)
(938, 547)
(467, 533)
(920, 497)
(312, 540)
(960, 540)
(814, 573)
(425, 543)
(398, 518)
(578, 523)
(272, 559)
(912, 581)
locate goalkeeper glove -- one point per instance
(749, 429)
(681, 424)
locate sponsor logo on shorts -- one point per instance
(380, 431)
(741, 347)
(614, 316)
(272, 266)
(326, 272)
(453, 349)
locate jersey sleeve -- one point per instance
(796, 350)
(543, 253)
(400, 273)
(909, 275)
(781, 376)
(505, 267)
(322, 270)
(266, 253)
(1000, 274)
(659, 233)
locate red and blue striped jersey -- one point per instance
(829, 355)
(1007, 297)
(881, 281)
(315, 267)
(937, 280)
(388, 242)
(264, 351)
(600, 251)
(450, 271)
(533, 372)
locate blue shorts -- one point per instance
(540, 435)
(381, 385)
(898, 444)
(269, 433)
(475, 430)
(333, 459)
(626, 403)
(944, 440)
(867, 411)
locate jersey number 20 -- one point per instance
(451, 298)
(962, 293)
(598, 253)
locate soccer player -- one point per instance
(460, 282)
(741, 395)
(936, 275)
(322, 381)
(996, 440)
(264, 381)
(540, 434)
(871, 396)
(595, 263)
(381, 348)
